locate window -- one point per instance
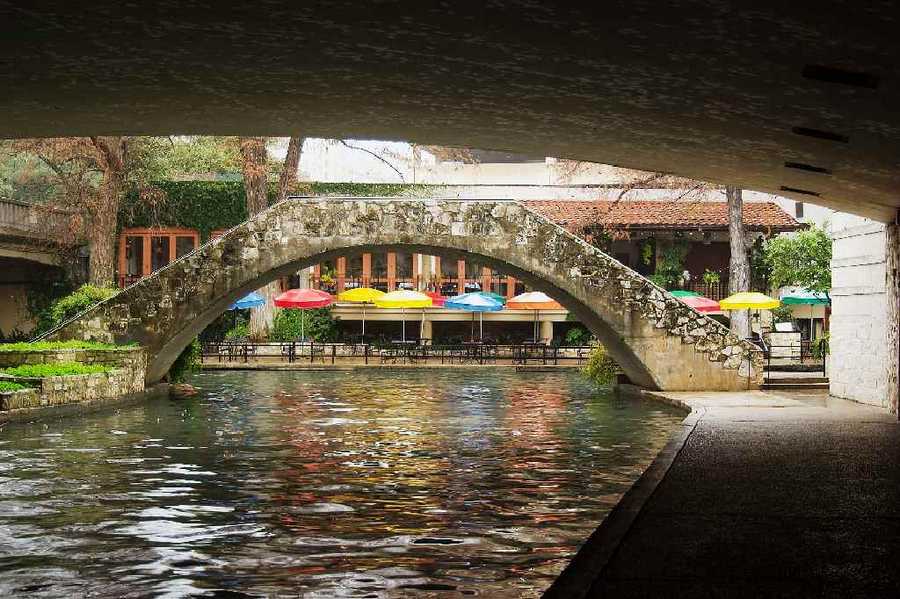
(404, 265)
(448, 268)
(134, 256)
(183, 245)
(142, 251)
(379, 265)
(355, 266)
(159, 252)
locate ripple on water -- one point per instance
(370, 484)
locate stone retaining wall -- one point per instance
(17, 400)
(127, 377)
(57, 390)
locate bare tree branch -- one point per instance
(376, 156)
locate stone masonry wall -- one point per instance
(660, 342)
(857, 365)
(58, 390)
(133, 361)
(127, 377)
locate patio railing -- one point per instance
(410, 352)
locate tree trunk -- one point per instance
(101, 233)
(739, 264)
(291, 164)
(255, 170)
(286, 184)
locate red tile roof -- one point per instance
(577, 215)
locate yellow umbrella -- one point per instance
(403, 298)
(361, 295)
(749, 300)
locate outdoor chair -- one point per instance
(317, 352)
(489, 353)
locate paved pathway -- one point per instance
(759, 495)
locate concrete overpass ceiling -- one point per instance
(789, 98)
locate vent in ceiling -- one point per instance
(840, 76)
(819, 134)
(807, 167)
(805, 192)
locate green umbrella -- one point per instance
(805, 296)
(493, 296)
(684, 293)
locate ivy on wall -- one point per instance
(211, 205)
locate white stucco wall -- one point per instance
(859, 348)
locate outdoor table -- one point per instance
(529, 350)
(474, 351)
(407, 348)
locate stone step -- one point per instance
(784, 386)
(795, 380)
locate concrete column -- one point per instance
(305, 275)
(892, 324)
(546, 330)
(426, 272)
(426, 329)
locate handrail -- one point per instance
(23, 216)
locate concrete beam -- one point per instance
(773, 97)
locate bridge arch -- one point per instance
(658, 341)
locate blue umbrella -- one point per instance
(251, 300)
(474, 302)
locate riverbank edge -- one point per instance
(25, 415)
(575, 581)
(351, 367)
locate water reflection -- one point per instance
(425, 484)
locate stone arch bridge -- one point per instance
(659, 342)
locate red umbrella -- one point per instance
(436, 298)
(701, 304)
(304, 299)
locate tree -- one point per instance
(255, 168)
(739, 264)
(189, 156)
(802, 259)
(88, 177)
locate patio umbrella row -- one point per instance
(480, 302)
(483, 301)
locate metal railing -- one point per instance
(409, 352)
(801, 355)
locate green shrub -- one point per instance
(578, 336)
(600, 367)
(821, 346)
(63, 369)
(188, 361)
(319, 325)
(9, 386)
(54, 345)
(240, 331)
(73, 304)
(711, 277)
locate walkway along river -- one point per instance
(322, 484)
